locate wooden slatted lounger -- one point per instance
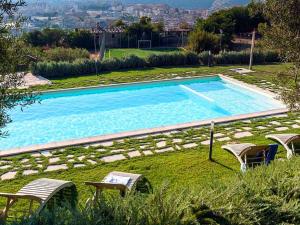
(130, 186)
(291, 142)
(251, 155)
(46, 192)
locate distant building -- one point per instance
(113, 36)
(175, 37)
(117, 38)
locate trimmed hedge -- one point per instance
(85, 67)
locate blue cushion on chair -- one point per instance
(271, 153)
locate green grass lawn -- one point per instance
(181, 169)
(143, 53)
(266, 72)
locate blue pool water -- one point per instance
(91, 112)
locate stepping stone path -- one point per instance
(36, 155)
(281, 116)
(218, 135)
(275, 123)
(46, 153)
(101, 150)
(81, 158)
(56, 167)
(224, 139)
(147, 152)
(164, 150)
(5, 162)
(91, 161)
(177, 140)
(5, 167)
(207, 142)
(190, 145)
(243, 134)
(24, 161)
(123, 149)
(29, 172)
(134, 154)
(281, 128)
(54, 160)
(161, 144)
(107, 144)
(78, 165)
(113, 158)
(118, 151)
(27, 166)
(9, 175)
(261, 127)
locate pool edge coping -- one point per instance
(179, 78)
(150, 131)
(129, 83)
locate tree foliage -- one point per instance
(60, 38)
(65, 54)
(283, 34)
(231, 21)
(12, 56)
(144, 30)
(200, 41)
(119, 23)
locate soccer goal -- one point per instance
(146, 44)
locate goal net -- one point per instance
(146, 44)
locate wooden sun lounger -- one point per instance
(100, 186)
(249, 155)
(46, 192)
(288, 141)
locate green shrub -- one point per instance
(133, 61)
(239, 58)
(265, 195)
(200, 41)
(65, 54)
(231, 58)
(78, 67)
(175, 59)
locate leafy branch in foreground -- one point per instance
(12, 58)
(283, 35)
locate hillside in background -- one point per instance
(190, 4)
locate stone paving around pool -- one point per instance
(144, 146)
(261, 83)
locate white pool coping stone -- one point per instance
(150, 131)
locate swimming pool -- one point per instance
(81, 113)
